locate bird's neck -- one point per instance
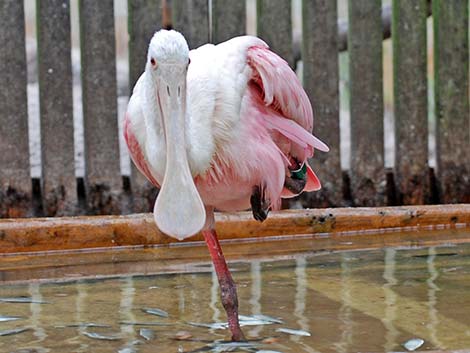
(152, 116)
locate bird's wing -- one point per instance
(286, 107)
(134, 115)
(283, 92)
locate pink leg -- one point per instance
(227, 285)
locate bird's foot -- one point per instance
(297, 179)
(237, 335)
(259, 203)
(228, 294)
(295, 186)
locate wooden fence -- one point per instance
(104, 190)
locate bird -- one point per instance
(223, 127)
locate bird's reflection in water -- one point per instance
(181, 299)
(193, 297)
(390, 299)
(214, 298)
(300, 302)
(433, 323)
(126, 306)
(80, 312)
(377, 303)
(255, 298)
(300, 295)
(345, 312)
(36, 311)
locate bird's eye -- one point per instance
(153, 62)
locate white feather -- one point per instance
(216, 83)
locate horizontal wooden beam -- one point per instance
(67, 233)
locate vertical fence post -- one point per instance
(365, 66)
(321, 82)
(228, 19)
(274, 26)
(103, 179)
(56, 105)
(191, 18)
(452, 106)
(15, 180)
(145, 18)
(410, 92)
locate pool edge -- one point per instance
(89, 232)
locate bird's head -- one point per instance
(167, 57)
(179, 210)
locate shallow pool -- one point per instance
(348, 301)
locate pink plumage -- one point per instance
(224, 127)
(136, 153)
(277, 119)
(248, 121)
(280, 88)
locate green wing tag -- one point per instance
(299, 173)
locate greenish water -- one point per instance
(356, 301)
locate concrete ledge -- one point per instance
(67, 233)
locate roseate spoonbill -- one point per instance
(224, 127)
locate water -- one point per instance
(350, 301)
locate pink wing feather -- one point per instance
(287, 108)
(136, 152)
(283, 92)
